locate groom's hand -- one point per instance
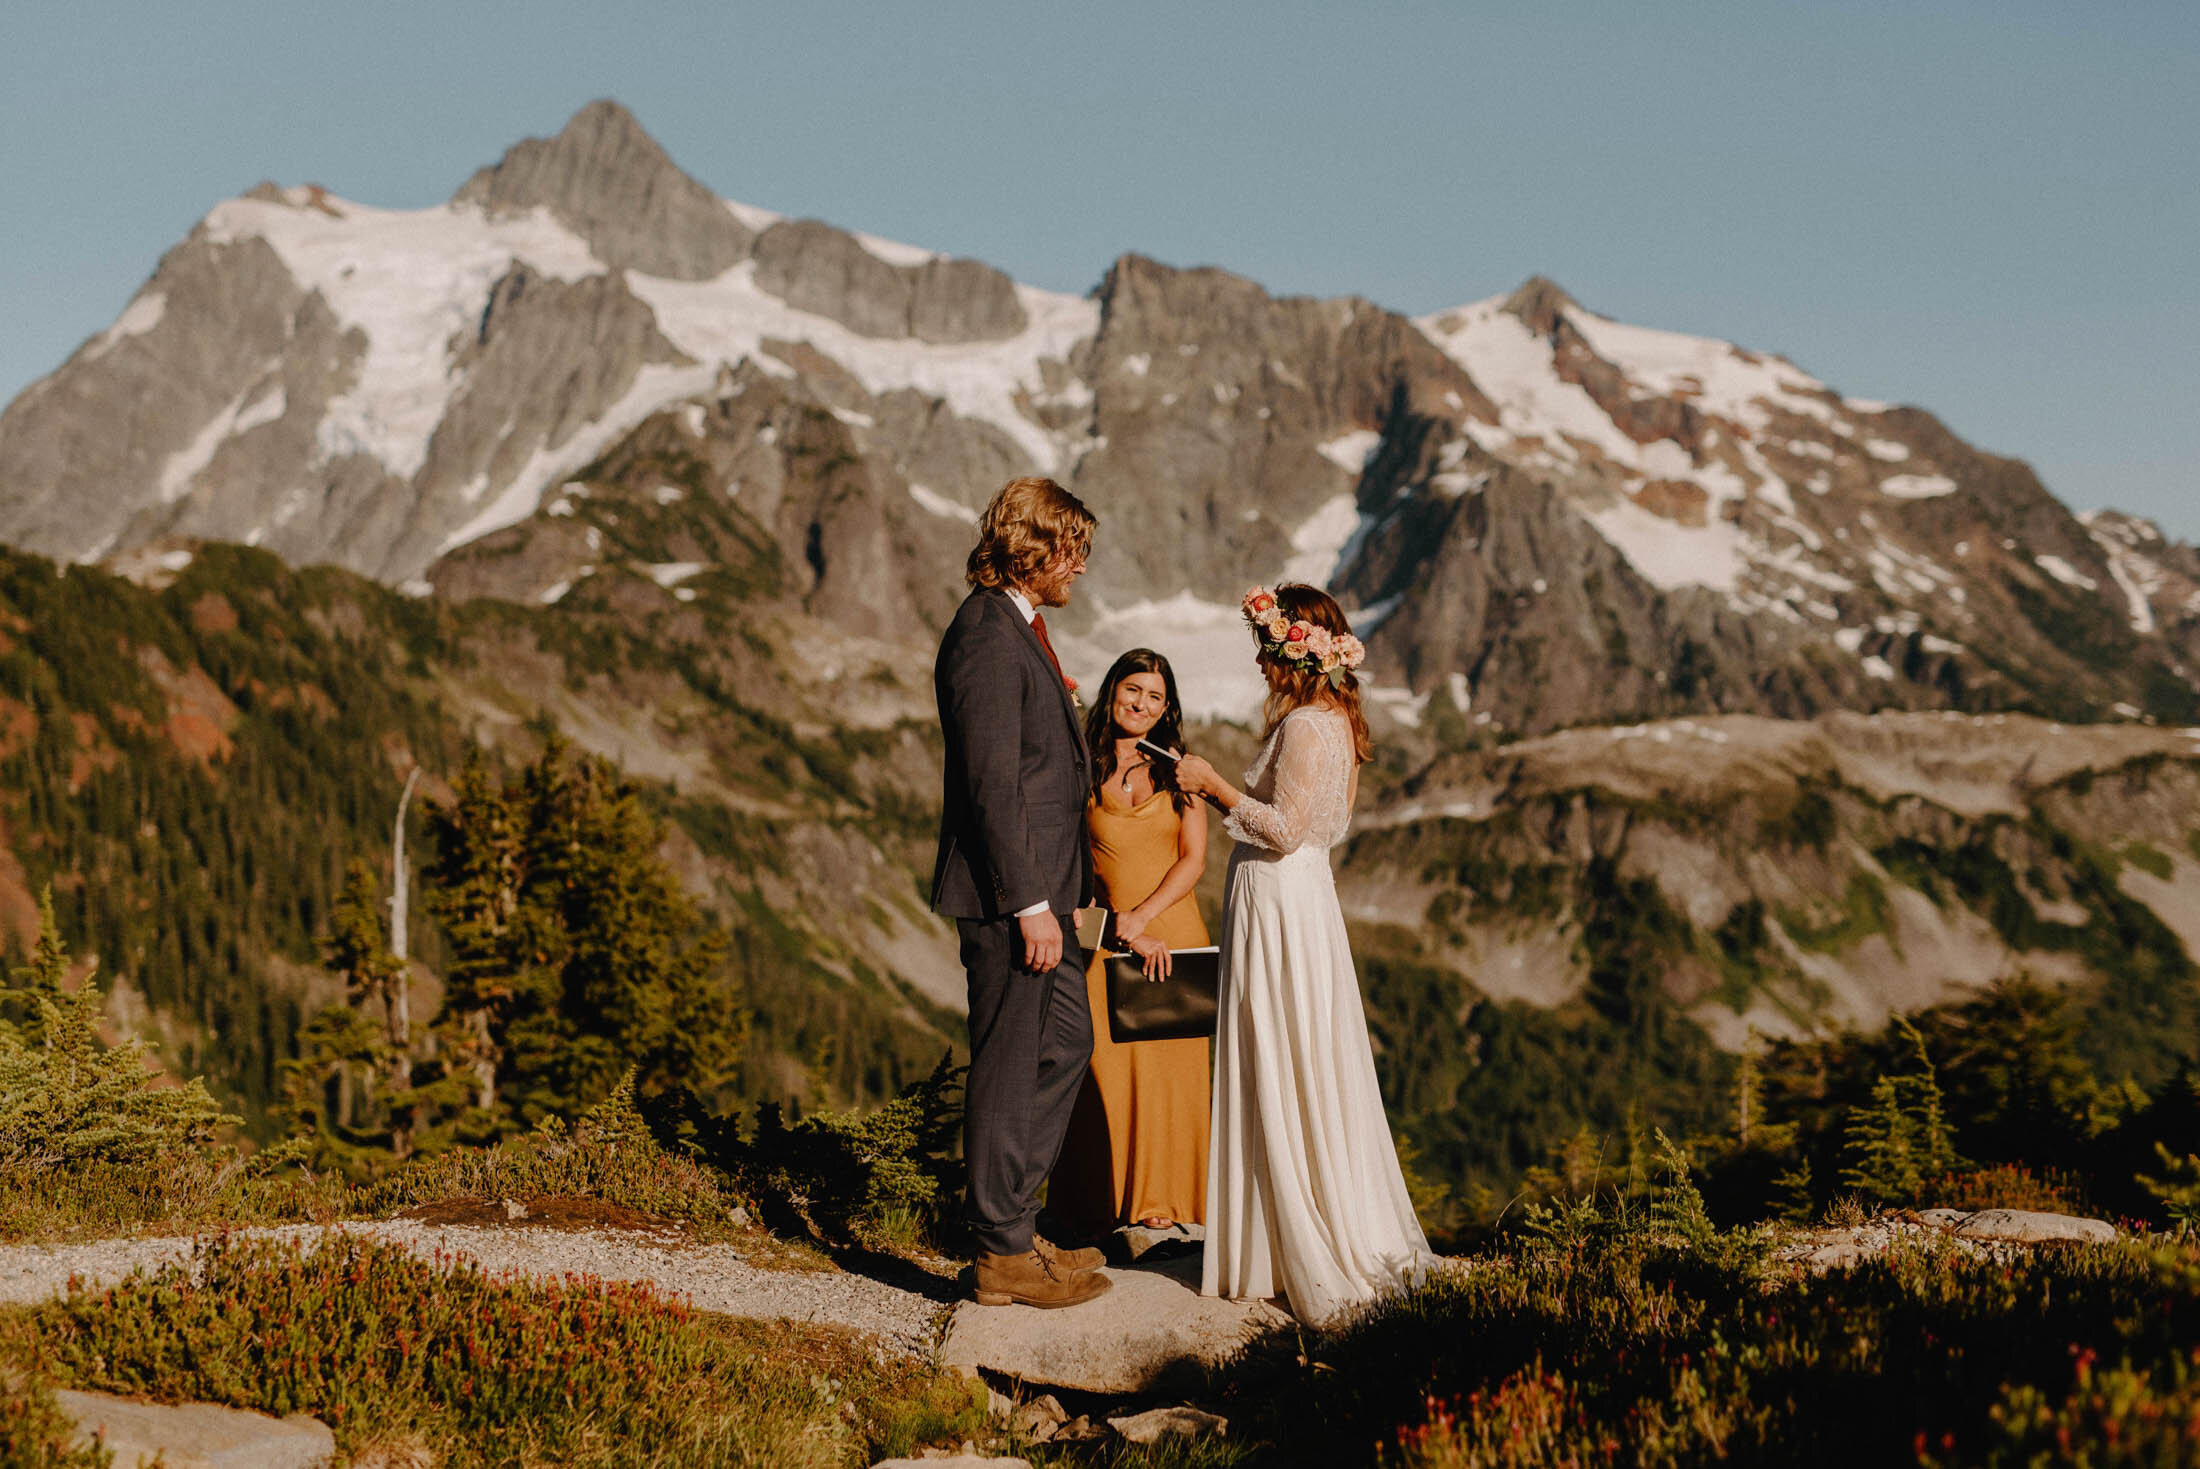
(1042, 941)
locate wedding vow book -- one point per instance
(1181, 1007)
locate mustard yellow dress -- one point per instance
(1137, 1141)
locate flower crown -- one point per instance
(1301, 642)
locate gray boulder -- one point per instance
(2024, 1226)
(1153, 1321)
(197, 1435)
(1157, 1424)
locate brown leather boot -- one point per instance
(1085, 1259)
(1031, 1279)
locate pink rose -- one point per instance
(1277, 626)
(1294, 650)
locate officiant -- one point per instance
(1136, 1152)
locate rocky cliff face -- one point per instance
(1797, 877)
(1541, 517)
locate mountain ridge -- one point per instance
(387, 389)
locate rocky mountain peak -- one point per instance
(1539, 302)
(609, 181)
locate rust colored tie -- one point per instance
(1039, 626)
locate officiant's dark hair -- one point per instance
(1167, 731)
(1028, 521)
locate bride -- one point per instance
(1304, 1194)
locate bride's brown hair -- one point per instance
(1295, 683)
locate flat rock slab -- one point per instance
(1156, 1424)
(1153, 1320)
(2027, 1227)
(197, 1435)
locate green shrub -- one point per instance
(2006, 1186)
(1638, 1355)
(480, 1370)
(1901, 1137)
(861, 1176)
(36, 1434)
(609, 1155)
(2177, 1191)
(67, 1102)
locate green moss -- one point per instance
(1863, 914)
(2148, 859)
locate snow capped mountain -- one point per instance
(1542, 515)
(408, 381)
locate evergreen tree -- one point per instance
(68, 1101)
(38, 985)
(575, 953)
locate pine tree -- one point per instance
(575, 953)
(1901, 1138)
(38, 984)
(68, 1101)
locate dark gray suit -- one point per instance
(1012, 833)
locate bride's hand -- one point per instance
(1154, 952)
(1196, 777)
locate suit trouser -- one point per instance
(1030, 1042)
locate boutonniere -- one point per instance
(1076, 700)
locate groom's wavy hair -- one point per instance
(1295, 684)
(1167, 731)
(1028, 522)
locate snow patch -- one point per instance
(727, 318)
(938, 504)
(184, 466)
(1402, 704)
(669, 574)
(2140, 578)
(552, 463)
(1318, 546)
(2065, 573)
(1670, 555)
(893, 252)
(264, 409)
(1351, 451)
(411, 281)
(139, 317)
(1916, 486)
(1887, 449)
(755, 218)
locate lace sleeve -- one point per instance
(1311, 770)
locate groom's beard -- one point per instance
(1052, 590)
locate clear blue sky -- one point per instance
(1989, 209)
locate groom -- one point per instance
(1013, 870)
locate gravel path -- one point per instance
(707, 1277)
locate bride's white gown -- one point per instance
(1304, 1195)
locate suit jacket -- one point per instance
(1012, 807)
